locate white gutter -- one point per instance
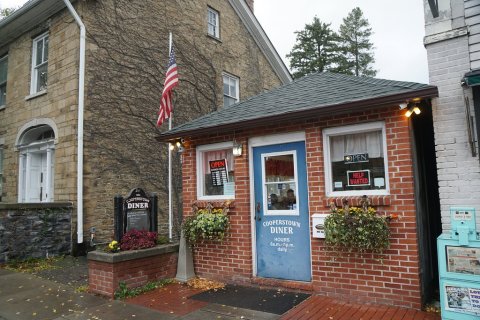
(81, 99)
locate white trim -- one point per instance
(352, 129)
(266, 211)
(34, 123)
(199, 162)
(216, 31)
(258, 142)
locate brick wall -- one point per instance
(391, 278)
(134, 268)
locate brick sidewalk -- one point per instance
(175, 299)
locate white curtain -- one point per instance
(368, 142)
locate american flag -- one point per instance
(171, 81)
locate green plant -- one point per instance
(113, 247)
(206, 224)
(124, 292)
(358, 229)
(162, 239)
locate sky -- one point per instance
(398, 29)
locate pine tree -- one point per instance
(314, 49)
(356, 50)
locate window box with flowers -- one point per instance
(206, 224)
(358, 229)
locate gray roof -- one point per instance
(311, 96)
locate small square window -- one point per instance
(215, 171)
(39, 64)
(355, 160)
(230, 90)
(213, 21)
(3, 80)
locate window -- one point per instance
(213, 23)
(36, 164)
(39, 64)
(215, 171)
(3, 81)
(355, 160)
(230, 90)
(280, 183)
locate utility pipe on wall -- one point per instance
(81, 99)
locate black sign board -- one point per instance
(355, 158)
(218, 170)
(358, 178)
(137, 213)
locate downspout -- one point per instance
(81, 95)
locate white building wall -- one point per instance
(449, 46)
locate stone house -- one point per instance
(301, 138)
(70, 147)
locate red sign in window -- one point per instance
(358, 178)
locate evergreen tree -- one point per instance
(356, 50)
(314, 49)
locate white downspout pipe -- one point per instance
(81, 99)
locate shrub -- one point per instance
(138, 239)
(206, 224)
(358, 229)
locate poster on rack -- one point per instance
(219, 172)
(462, 299)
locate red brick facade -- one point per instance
(104, 277)
(392, 278)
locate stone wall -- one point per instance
(34, 231)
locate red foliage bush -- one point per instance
(135, 239)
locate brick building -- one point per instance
(296, 137)
(223, 56)
(452, 40)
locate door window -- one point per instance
(280, 183)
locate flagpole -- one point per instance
(170, 204)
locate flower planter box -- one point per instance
(136, 268)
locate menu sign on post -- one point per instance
(219, 172)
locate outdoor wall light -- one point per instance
(237, 149)
(413, 107)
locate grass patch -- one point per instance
(123, 292)
(82, 289)
(32, 265)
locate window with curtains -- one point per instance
(215, 171)
(355, 160)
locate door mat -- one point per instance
(271, 301)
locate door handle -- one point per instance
(257, 210)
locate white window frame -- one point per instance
(353, 129)
(266, 211)
(230, 77)
(200, 174)
(3, 59)
(34, 71)
(215, 25)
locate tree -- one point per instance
(356, 50)
(5, 12)
(314, 49)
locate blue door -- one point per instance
(281, 212)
